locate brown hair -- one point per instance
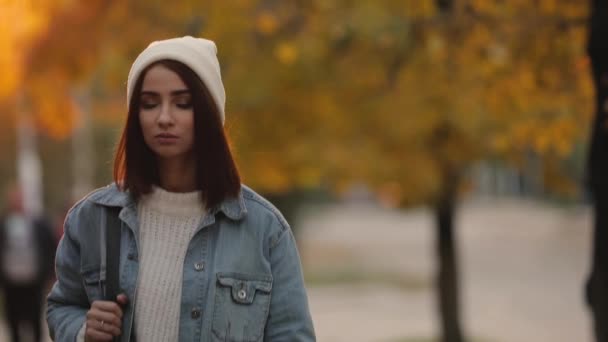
(135, 166)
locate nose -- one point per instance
(165, 117)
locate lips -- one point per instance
(166, 138)
(166, 135)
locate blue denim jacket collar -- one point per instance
(234, 208)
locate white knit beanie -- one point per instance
(198, 54)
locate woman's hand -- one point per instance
(104, 319)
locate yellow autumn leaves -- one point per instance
(267, 24)
(332, 92)
(21, 22)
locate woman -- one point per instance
(202, 258)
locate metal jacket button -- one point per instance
(199, 266)
(242, 294)
(196, 313)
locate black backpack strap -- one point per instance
(113, 229)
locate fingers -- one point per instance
(122, 299)
(99, 329)
(107, 306)
(104, 321)
(108, 318)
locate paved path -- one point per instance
(523, 266)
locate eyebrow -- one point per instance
(173, 93)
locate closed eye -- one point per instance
(148, 100)
(182, 99)
(184, 105)
(148, 105)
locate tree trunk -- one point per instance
(597, 285)
(447, 275)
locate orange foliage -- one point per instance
(331, 92)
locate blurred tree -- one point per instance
(18, 39)
(597, 286)
(449, 85)
(423, 91)
(55, 61)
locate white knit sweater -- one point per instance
(167, 222)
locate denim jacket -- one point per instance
(242, 278)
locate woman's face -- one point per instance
(166, 115)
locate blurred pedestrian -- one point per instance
(202, 257)
(27, 248)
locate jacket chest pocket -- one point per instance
(91, 279)
(241, 307)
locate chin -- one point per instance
(164, 152)
(167, 154)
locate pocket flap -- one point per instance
(243, 287)
(92, 276)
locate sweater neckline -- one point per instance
(173, 203)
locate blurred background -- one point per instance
(430, 154)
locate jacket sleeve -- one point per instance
(289, 318)
(67, 302)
